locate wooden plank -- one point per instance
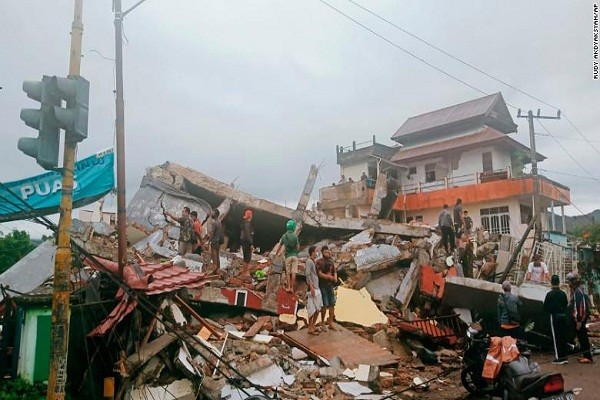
(351, 348)
(408, 285)
(256, 327)
(138, 359)
(198, 317)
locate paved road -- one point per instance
(585, 376)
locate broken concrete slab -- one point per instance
(483, 296)
(381, 338)
(408, 285)
(367, 373)
(298, 354)
(385, 283)
(178, 390)
(351, 348)
(353, 388)
(356, 306)
(271, 376)
(232, 393)
(373, 256)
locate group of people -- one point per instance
(454, 224)
(321, 279)
(196, 236)
(568, 317)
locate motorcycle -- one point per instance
(520, 379)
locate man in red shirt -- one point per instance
(197, 226)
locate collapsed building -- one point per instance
(169, 326)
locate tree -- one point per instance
(13, 247)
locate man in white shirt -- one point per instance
(537, 271)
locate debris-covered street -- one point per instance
(299, 200)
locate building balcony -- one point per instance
(479, 187)
(337, 199)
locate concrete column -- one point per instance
(564, 224)
(552, 216)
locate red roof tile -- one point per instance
(163, 278)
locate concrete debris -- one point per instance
(298, 354)
(178, 390)
(356, 306)
(353, 388)
(367, 373)
(240, 318)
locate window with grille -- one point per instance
(495, 219)
(430, 172)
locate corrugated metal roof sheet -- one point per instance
(30, 271)
(448, 115)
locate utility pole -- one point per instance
(120, 131)
(534, 170)
(59, 344)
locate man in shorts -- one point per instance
(327, 280)
(314, 301)
(291, 244)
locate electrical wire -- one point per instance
(397, 46)
(143, 301)
(473, 67)
(566, 151)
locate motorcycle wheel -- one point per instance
(471, 381)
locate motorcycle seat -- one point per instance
(525, 380)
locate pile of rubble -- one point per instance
(237, 332)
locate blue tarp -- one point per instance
(94, 178)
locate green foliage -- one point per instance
(518, 161)
(13, 247)
(20, 389)
(589, 233)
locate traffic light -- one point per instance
(45, 147)
(74, 118)
(51, 117)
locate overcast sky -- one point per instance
(257, 91)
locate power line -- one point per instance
(451, 55)
(566, 152)
(469, 65)
(403, 49)
(573, 175)
(582, 135)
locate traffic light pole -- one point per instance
(57, 378)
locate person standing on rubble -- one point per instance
(197, 227)
(537, 271)
(186, 231)
(314, 301)
(216, 239)
(459, 221)
(446, 226)
(327, 281)
(580, 313)
(555, 304)
(247, 237)
(290, 242)
(509, 318)
(468, 227)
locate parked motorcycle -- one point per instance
(520, 379)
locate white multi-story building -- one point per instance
(462, 151)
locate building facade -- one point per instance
(462, 151)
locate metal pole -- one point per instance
(59, 345)
(534, 174)
(120, 130)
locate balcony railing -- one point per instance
(457, 181)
